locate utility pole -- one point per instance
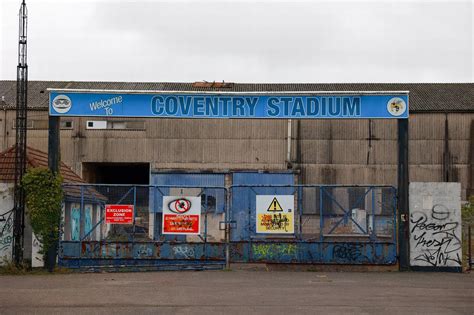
(20, 150)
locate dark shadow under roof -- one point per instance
(424, 97)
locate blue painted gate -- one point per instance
(332, 224)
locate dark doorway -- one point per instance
(116, 173)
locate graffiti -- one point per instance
(183, 252)
(273, 251)
(143, 250)
(349, 252)
(75, 223)
(95, 249)
(6, 235)
(88, 219)
(440, 212)
(434, 238)
(275, 222)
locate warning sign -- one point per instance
(119, 214)
(275, 214)
(274, 205)
(181, 215)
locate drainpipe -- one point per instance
(288, 152)
(446, 153)
(5, 138)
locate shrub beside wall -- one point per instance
(44, 197)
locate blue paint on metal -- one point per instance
(347, 213)
(379, 247)
(164, 182)
(186, 179)
(257, 251)
(302, 252)
(99, 265)
(244, 199)
(218, 105)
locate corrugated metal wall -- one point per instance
(324, 151)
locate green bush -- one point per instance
(44, 197)
(467, 211)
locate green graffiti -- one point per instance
(272, 251)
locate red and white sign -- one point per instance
(119, 214)
(181, 215)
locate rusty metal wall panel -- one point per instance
(383, 152)
(350, 174)
(234, 151)
(114, 150)
(460, 126)
(216, 129)
(219, 167)
(426, 126)
(326, 151)
(459, 150)
(426, 152)
(334, 130)
(385, 129)
(348, 152)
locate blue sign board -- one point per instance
(223, 105)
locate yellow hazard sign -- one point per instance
(274, 206)
(275, 214)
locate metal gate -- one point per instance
(330, 225)
(87, 241)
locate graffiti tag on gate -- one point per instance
(274, 251)
(349, 252)
(183, 252)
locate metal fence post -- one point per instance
(134, 215)
(470, 246)
(321, 216)
(227, 228)
(300, 211)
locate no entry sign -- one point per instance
(119, 214)
(181, 215)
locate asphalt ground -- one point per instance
(239, 292)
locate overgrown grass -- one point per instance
(8, 267)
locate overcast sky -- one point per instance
(242, 41)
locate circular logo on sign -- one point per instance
(396, 106)
(62, 104)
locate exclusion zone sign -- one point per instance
(119, 214)
(275, 214)
(181, 215)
